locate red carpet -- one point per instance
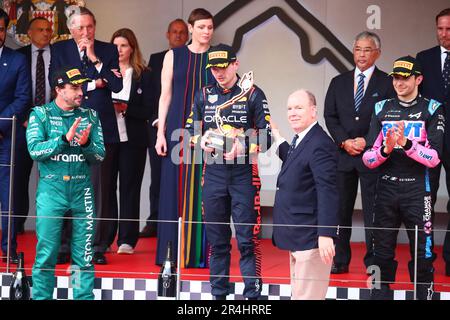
(275, 265)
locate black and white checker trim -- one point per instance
(146, 289)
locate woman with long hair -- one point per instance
(133, 111)
(183, 74)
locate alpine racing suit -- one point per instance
(64, 184)
(231, 188)
(403, 189)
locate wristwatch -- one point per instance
(96, 62)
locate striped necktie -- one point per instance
(292, 146)
(446, 72)
(359, 91)
(39, 94)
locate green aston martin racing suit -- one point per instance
(64, 184)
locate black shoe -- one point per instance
(63, 258)
(384, 293)
(339, 268)
(99, 258)
(148, 232)
(447, 269)
(13, 258)
(220, 297)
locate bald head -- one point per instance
(301, 110)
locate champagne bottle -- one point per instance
(20, 286)
(167, 279)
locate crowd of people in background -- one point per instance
(387, 135)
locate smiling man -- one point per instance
(306, 200)
(406, 140)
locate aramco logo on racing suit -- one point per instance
(69, 158)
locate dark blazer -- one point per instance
(14, 91)
(432, 86)
(26, 51)
(139, 110)
(341, 118)
(306, 192)
(156, 64)
(65, 53)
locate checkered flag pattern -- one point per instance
(146, 289)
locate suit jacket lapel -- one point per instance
(371, 87)
(74, 54)
(297, 151)
(350, 86)
(4, 63)
(436, 66)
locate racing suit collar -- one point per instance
(225, 91)
(408, 104)
(63, 113)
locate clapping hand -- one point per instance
(82, 137)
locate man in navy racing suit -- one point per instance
(65, 140)
(406, 139)
(235, 108)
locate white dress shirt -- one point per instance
(124, 94)
(367, 75)
(443, 57)
(91, 84)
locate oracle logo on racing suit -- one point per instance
(229, 119)
(69, 158)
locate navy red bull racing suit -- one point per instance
(232, 187)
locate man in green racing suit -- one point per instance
(65, 140)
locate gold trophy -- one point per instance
(222, 138)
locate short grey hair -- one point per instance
(309, 94)
(368, 35)
(79, 11)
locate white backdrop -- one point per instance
(273, 51)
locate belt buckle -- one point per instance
(66, 178)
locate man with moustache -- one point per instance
(98, 61)
(66, 140)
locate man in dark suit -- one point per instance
(348, 108)
(177, 35)
(14, 100)
(38, 59)
(98, 61)
(306, 196)
(435, 64)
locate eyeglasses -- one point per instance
(365, 50)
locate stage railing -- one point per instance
(370, 282)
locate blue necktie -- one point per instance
(292, 146)
(446, 72)
(359, 91)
